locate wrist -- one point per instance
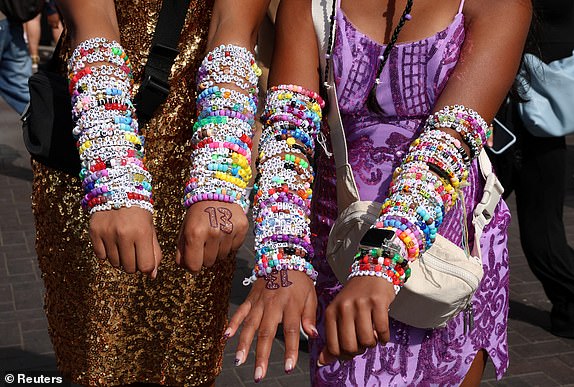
(270, 259)
(382, 254)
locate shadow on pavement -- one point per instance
(529, 314)
(7, 168)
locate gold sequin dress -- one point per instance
(110, 328)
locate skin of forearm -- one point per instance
(236, 22)
(87, 19)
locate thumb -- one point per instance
(156, 254)
(309, 316)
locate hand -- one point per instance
(288, 297)
(357, 318)
(127, 239)
(211, 230)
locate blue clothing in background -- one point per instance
(15, 65)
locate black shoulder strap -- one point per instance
(155, 84)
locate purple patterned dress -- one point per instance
(417, 72)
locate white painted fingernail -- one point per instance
(258, 374)
(288, 365)
(319, 364)
(315, 332)
(239, 358)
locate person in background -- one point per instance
(53, 19)
(15, 64)
(535, 169)
(33, 32)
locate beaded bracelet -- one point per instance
(385, 262)
(111, 151)
(283, 187)
(418, 199)
(222, 135)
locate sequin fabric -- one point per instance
(416, 72)
(110, 328)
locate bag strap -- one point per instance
(492, 193)
(347, 192)
(154, 88)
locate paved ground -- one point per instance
(536, 357)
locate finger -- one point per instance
(127, 250)
(265, 336)
(309, 317)
(331, 336)
(224, 248)
(291, 332)
(325, 358)
(210, 251)
(193, 255)
(364, 327)
(250, 325)
(156, 254)
(99, 247)
(237, 319)
(112, 253)
(180, 248)
(145, 260)
(347, 332)
(380, 316)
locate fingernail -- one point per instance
(238, 358)
(227, 333)
(319, 364)
(315, 332)
(258, 374)
(288, 365)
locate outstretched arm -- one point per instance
(125, 235)
(214, 227)
(358, 317)
(281, 294)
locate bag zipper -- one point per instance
(468, 318)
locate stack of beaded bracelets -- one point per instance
(111, 149)
(387, 262)
(427, 183)
(291, 119)
(221, 157)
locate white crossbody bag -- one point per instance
(444, 278)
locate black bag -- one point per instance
(21, 10)
(47, 120)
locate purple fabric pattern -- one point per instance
(417, 72)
